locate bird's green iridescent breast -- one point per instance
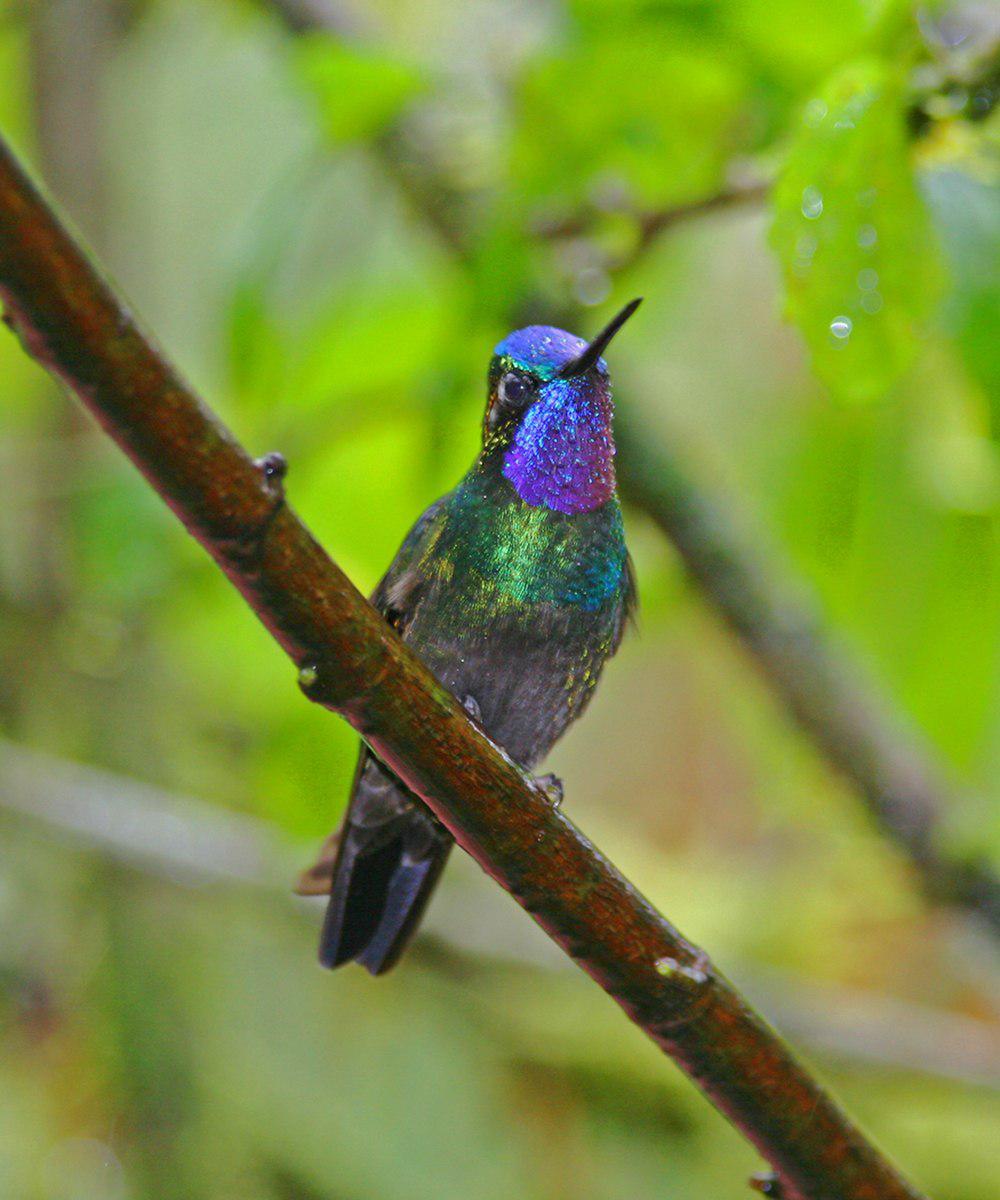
(505, 552)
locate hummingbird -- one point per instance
(514, 589)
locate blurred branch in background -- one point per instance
(188, 842)
(146, 828)
(302, 16)
(847, 719)
(351, 662)
(846, 715)
(71, 43)
(651, 224)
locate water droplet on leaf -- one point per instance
(592, 286)
(805, 245)
(841, 328)
(815, 112)
(812, 203)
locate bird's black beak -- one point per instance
(593, 351)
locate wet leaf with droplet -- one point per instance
(860, 260)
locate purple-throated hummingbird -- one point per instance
(514, 589)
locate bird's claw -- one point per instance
(551, 785)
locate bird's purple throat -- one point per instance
(562, 452)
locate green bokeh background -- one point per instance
(167, 1034)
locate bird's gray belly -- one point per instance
(530, 673)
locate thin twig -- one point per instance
(353, 663)
(651, 223)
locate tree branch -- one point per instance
(352, 662)
(182, 840)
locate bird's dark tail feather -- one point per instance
(377, 900)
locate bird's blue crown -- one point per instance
(542, 349)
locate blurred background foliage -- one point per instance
(328, 231)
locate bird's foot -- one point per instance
(552, 786)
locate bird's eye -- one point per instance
(514, 390)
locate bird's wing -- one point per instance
(371, 804)
(628, 605)
(390, 850)
(399, 590)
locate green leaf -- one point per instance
(966, 213)
(647, 109)
(855, 243)
(359, 92)
(798, 42)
